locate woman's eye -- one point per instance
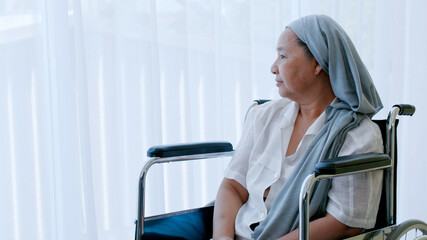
(282, 56)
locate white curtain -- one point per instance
(86, 87)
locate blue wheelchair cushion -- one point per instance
(191, 224)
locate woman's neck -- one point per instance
(313, 109)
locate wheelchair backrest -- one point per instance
(385, 207)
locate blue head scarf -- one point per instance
(353, 86)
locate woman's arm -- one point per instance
(231, 196)
(325, 228)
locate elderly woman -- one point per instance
(327, 101)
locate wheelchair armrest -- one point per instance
(352, 163)
(175, 153)
(176, 150)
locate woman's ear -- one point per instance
(318, 69)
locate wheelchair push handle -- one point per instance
(405, 109)
(261, 101)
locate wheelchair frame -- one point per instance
(358, 164)
(329, 168)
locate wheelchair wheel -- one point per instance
(411, 229)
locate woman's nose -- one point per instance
(274, 69)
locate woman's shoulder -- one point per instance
(370, 126)
(272, 110)
(364, 138)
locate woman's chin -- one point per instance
(283, 93)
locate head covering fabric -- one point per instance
(358, 99)
(336, 54)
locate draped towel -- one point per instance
(353, 86)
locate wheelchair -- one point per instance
(197, 223)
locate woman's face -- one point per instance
(294, 70)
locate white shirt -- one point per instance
(259, 162)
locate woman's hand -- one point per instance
(231, 196)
